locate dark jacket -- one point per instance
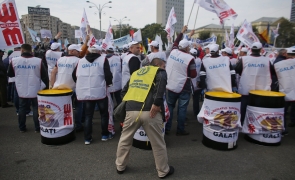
(3, 71)
(44, 73)
(155, 95)
(90, 57)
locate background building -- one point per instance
(292, 17)
(164, 8)
(39, 19)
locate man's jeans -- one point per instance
(104, 113)
(117, 96)
(10, 91)
(244, 104)
(16, 102)
(292, 112)
(79, 114)
(23, 102)
(196, 102)
(183, 101)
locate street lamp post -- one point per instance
(99, 8)
(120, 22)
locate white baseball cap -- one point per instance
(54, 46)
(228, 50)
(290, 50)
(125, 46)
(244, 49)
(154, 43)
(256, 45)
(184, 43)
(132, 43)
(214, 47)
(75, 47)
(110, 48)
(97, 47)
(193, 51)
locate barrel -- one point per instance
(220, 115)
(56, 116)
(264, 120)
(141, 141)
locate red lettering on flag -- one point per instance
(6, 17)
(13, 33)
(68, 120)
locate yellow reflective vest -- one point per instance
(140, 84)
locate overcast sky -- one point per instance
(142, 12)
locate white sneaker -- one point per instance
(88, 142)
(30, 113)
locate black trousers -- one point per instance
(3, 91)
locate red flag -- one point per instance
(131, 33)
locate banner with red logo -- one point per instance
(220, 7)
(223, 114)
(11, 34)
(55, 116)
(263, 120)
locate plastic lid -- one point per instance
(223, 94)
(266, 93)
(52, 92)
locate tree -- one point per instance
(151, 30)
(286, 36)
(204, 35)
(124, 31)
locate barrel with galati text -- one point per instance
(56, 116)
(220, 115)
(264, 119)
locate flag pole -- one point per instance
(274, 44)
(236, 42)
(196, 17)
(190, 13)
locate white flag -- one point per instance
(232, 37)
(137, 36)
(170, 22)
(45, 33)
(108, 38)
(159, 40)
(222, 10)
(11, 34)
(33, 34)
(246, 34)
(84, 26)
(276, 31)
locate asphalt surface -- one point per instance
(23, 156)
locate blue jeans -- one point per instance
(10, 91)
(183, 101)
(292, 112)
(104, 113)
(117, 96)
(244, 104)
(196, 102)
(23, 102)
(16, 102)
(79, 114)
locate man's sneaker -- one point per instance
(17, 114)
(291, 124)
(171, 171)
(284, 133)
(23, 131)
(111, 136)
(30, 113)
(87, 142)
(183, 133)
(104, 138)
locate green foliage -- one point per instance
(151, 30)
(286, 36)
(204, 35)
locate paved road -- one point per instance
(23, 156)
